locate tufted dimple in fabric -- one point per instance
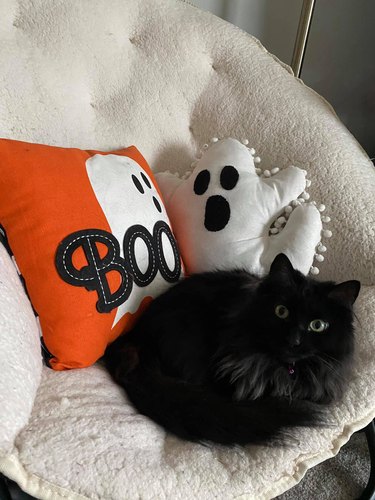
(70, 76)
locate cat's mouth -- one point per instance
(290, 358)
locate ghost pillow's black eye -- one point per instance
(201, 182)
(318, 326)
(281, 311)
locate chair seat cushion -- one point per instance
(84, 438)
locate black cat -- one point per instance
(232, 358)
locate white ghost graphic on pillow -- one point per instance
(130, 201)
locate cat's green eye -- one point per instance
(318, 326)
(281, 311)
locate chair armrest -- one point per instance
(20, 354)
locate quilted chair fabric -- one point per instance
(166, 77)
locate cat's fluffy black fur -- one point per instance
(211, 360)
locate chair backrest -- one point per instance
(165, 76)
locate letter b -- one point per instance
(93, 276)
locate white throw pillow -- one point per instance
(227, 213)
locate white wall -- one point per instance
(340, 59)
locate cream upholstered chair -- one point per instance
(166, 77)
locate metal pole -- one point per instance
(302, 35)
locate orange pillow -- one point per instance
(91, 238)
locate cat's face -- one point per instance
(300, 317)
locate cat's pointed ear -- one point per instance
(345, 292)
(281, 264)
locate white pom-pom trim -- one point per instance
(279, 224)
(281, 221)
(185, 176)
(327, 233)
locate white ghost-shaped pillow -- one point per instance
(229, 214)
